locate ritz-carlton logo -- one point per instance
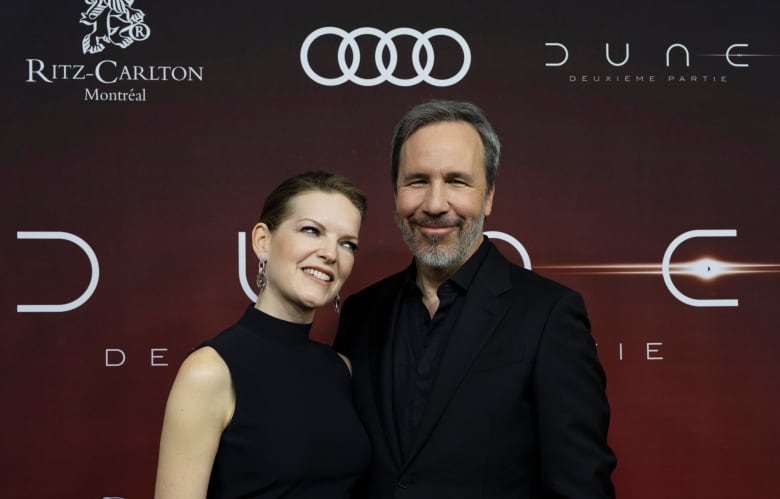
(119, 24)
(113, 22)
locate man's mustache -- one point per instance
(441, 221)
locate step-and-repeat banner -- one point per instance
(640, 167)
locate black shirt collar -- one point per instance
(463, 277)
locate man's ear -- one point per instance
(261, 239)
(489, 201)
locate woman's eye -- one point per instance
(310, 230)
(353, 247)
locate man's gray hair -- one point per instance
(438, 111)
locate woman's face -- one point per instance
(309, 255)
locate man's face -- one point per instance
(441, 194)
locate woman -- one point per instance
(260, 410)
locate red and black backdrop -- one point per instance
(640, 167)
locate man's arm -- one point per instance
(571, 406)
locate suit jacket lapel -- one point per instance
(479, 317)
(381, 359)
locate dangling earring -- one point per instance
(261, 278)
(338, 302)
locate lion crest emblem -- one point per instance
(113, 22)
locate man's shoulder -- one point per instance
(523, 279)
(375, 299)
(531, 278)
(386, 286)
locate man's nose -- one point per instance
(436, 201)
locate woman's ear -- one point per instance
(261, 239)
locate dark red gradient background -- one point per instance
(591, 174)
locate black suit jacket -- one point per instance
(518, 408)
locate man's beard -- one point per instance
(431, 250)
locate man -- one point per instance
(474, 378)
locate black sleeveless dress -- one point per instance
(294, 433)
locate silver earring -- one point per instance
(338, 302)
(261, 278)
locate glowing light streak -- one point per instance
(704, 268)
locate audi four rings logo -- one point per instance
(349, 71)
